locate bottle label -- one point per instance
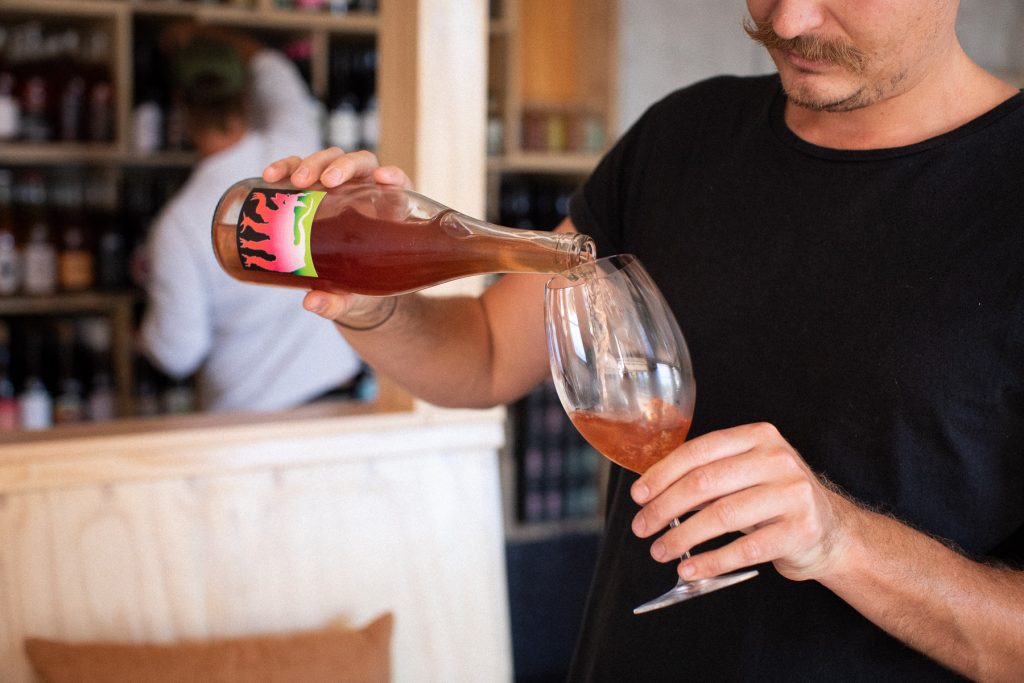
(274, 228)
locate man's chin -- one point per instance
(816, 100)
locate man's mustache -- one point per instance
(812, 48)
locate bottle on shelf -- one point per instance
(343, 127)
(100, 86)
(10, 107)
(73, 90)
(150, 88)
(111, 244)
(10, 265)
(178, 397)
(69, 403)
(369, 115)
(101, 397)
(76, 268)
(8, 399)
(35, 405)
(35, 93)
(403, 240)
(38, 253)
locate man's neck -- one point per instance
(211, 142)
(934, 106)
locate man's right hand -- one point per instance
(332, 167)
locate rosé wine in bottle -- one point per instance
(372, 239)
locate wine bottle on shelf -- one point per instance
(76, 268)
(35, 91)
(343, 122)
(35, 405)
(372, 239)
(8, 399)
(10, 107)
(101, 87)
(10, 261)
(69, 403)
(111, 244)
(38, 254)
(73, 89)
(101, 399)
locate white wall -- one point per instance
(665, 44)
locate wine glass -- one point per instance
(623, 374)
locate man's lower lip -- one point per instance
(806, 64)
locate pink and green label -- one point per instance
(274, 229)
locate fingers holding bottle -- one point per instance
(351, 311)
(332, 167)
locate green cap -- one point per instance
(213, 65)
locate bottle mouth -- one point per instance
(590, 271)
(585, 246)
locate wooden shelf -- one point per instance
(67, 303)
(558, 57)
(276, 19)
(22, 153)
(66, 8)
(116, 306)
(544, 162)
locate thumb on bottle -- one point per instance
(325, 304)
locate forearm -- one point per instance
(444, 350)
(963, 614)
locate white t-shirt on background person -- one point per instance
(253, 346)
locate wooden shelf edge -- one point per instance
(74, 8)
(543, 162)
(526, 532)
(26, 154)
(60, 152)
(66, 302)
(354, 22)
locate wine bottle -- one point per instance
(8, 398)
(10, 269)
(372, 239)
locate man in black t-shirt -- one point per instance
(843, 244)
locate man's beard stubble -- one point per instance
(815, 49)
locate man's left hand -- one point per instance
(746, 479)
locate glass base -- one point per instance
(684, 590)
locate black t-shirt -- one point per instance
(870, 304)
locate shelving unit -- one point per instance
(557, 60)
(117, 307)
(120, 20)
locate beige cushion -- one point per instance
(330, 654)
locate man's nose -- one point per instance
(792, 18)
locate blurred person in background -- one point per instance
(252, 347)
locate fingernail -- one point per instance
(302, 173)
(332, 176)
(315, 304)
(639, 524)
(658, 550)
(688, 570)
(640, 492)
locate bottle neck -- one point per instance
(536, 251)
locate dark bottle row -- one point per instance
(557, 471)
(532, 202)
(349, 112)
(71, 229)
(60, 370)
(55, 83)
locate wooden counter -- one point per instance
(262, 525)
